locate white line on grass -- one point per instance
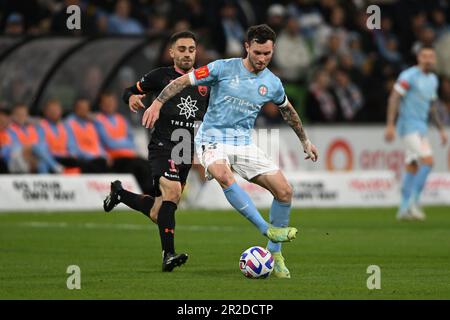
(121, 226)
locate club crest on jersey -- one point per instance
(203, 90)
(262, 90)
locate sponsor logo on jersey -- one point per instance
(262, 90)
(187, 107)
(201, 72)
(234, 82)
(241, 102)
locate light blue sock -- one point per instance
(419, 181)
(279, 217)
(407, 183)
(241, 201)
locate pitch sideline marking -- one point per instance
(121, 226)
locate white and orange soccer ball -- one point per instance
(256, 263)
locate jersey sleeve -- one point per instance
(150, 82)
(207, 75)
(279, 97)
(434, 95)
(403, 82)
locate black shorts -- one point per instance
(162, 165)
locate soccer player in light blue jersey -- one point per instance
(413, 99)
(238, 89)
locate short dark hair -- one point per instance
(182, 35)
(19, 105)
(107, 93)
(4, 110)
(261, 34)
(424, 47)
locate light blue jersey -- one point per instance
(236, 97)
(418, 90)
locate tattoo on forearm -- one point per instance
(293, 120)
(393, 104)
(435, 116)
(171, 90)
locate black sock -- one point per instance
(138, 202)
(166, 224)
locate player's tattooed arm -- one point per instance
(151, 115)
(392, 110)
(434, 115)
(292, 118)
(173, 88)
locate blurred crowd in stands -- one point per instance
(335, 68)
(82, 142)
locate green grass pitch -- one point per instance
(120, 258)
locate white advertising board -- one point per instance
(59, 192)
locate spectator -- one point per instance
(276, 14)
(121, 23)
(29, 152)
(365, 34)
(193, 11)
(14, 25)
(230, 32)
(117, 138)
(88, 147)
(443, 102)
(320, 102)
(5, 140)
(390, 52)
(348, 95)
(439, 21)
(308, 16)
(336, 28)
(355, 50)
(335, 45)
(426, 37)
(293, 56)
(158, 24)
(387, 42)
(60, 144)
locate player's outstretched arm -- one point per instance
(393, 105)
(172, 89)
(434, 115)
(293, 120)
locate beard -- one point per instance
(185, 65)
(257, 66)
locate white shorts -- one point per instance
(248, 161)
(416, 147)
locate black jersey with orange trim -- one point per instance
(183, 111)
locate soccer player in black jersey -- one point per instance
(169, 168)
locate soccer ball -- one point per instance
(256, 263)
